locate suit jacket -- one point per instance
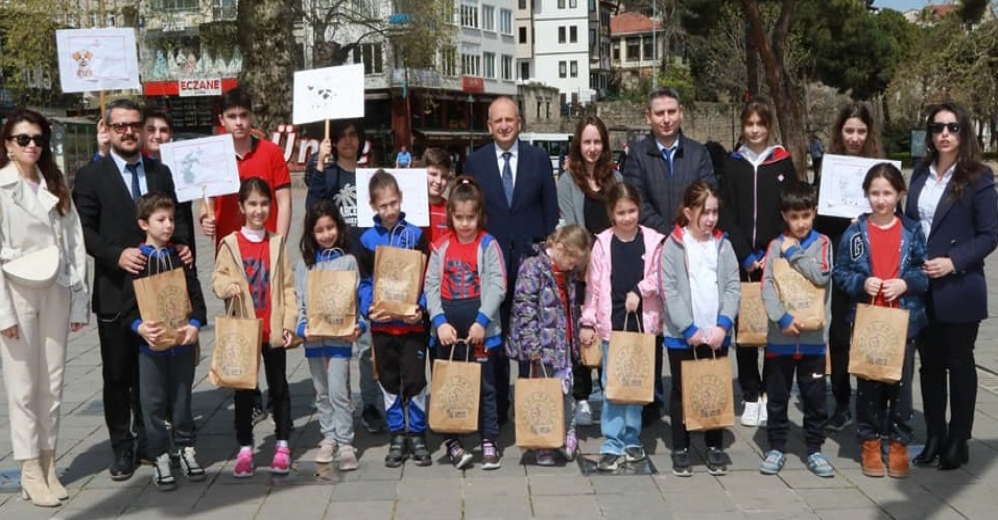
(107, 213)
(965, 229)
(534, 212)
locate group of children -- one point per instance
(684, 287)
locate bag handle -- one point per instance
(237, 301)
(641, 328)
(533, 368)
(402, 235)
(157, 254)
(713, 354)
(467, 350)
(327, 254)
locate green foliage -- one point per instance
(28, 59)
(681, 79)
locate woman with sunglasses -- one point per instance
(953, 197)
(38, 306)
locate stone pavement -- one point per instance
(517, 491)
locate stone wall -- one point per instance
(702, 122)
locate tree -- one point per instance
(28, 60)
(266, 37)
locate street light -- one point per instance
(471, 123)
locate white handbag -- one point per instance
(36, 270)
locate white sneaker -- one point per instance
(763, 414)
(750, 416)
(327, 450)
(583, 413)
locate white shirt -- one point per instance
(931, 194)
(702, 260)
(513, 159)
(127, 175)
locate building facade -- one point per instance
(634, 38)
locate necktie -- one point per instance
(507, 178)
(136, 189)
(667, 153)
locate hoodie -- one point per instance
(332, 260)
(813, 259)
(403, 235)
(168, 256)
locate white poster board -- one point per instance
(206, 165)
(92, 60)
(328, 93)
(415, 199)
(841, 191)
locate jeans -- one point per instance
(620, 424)
(886, 408)
(165, 388)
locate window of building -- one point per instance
(223, 9)
(573, 34)
(648, 50)
(575, 69)
(179, 5)
(506, 21)
(633, 49)
(573, 3)
(448, 61)
(592, 40)
(523, 4)
(471, 64)
(616, 50)
(524, 70)
(488, 18)
(371, 55)
(561, 4)
(592, 5)
(506, 67)
(469, 16)
(561, 35)
(489, 61)
(523, 35)
(561, 69)
(538, 110)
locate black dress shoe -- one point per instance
(123, 466)
(955, 455)
(933, 445)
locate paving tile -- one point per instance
(632, 507)
(510, 489)
(559, 485)
(573, 507)
(361, 510)
(496, 509)
(373, 490)
(835, 498)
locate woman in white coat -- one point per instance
(43, 295)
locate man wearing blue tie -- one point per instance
(521, 208)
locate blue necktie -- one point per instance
(507, 178)
(136, 189)
(667, 153)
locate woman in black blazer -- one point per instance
(953, 196)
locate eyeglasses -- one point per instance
(22, 140)
(120, 128)
(937, 128)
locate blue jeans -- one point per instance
(620, 424)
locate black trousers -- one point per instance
(119, 352)
(749, 378)
(275, 364)
(401, 363)
(499, 362)
(810, 373)
(885, 409)
(839, 338)
(166, 396)
(680, 435)
(948, 347)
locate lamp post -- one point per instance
(471, 123)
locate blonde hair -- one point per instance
(575, 239)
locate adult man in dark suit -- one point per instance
(104, 193)
(521, 209)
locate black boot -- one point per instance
(420, 453)
(396, 451)
(929, 453)
(955, 455)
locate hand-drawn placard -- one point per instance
(202, 166)
(841, 191)
(92, 60)
(415, 200)
(328, 93)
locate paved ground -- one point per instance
(516, 491)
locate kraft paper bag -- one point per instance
(331, 303)
(592, 354)
(878, 343)
(398, 280)
(753, 324)
(455, 395)
(235, 361)
(708, 396)
(802, 299)
(540, 413)
(163, 298)
(630, 368)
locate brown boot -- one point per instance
(873, 463)
(47, 462)
(897, 460)
(33, 485)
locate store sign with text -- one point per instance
(200, 87)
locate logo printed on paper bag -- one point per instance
(709, 396)
(456, 397)
(170, 304)
(232, 365)
(393, 284)
(874, 343)
(628, 369)
(333, 301)
(542, 413)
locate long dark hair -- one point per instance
(466, 189)
(871, 148)
(968, 157)
(50, 172)
(309, 246)
(603, 172)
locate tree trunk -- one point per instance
(266, 38)
(782, 88)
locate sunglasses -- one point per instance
(937, 128)
(22, 140)
(121, 128)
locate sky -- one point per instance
(904, 5)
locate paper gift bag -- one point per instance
(802, 299)
(163, 298)
(878, 343)
(540, 413)
(592, 354)
(332, 302)
(753, 324)
(630, 368)
(708, 397)
(235, 361)
(455, 394)
(398, 280)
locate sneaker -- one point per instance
(162, 477)
(327, 451)
(396, 451)
(763, 412)
(259, 414)
(717, 461)
(750, 415)
(544, 457)
(348, 458)
(819, 465)
(420, 453)
(772, 463)
(570, 448)
(460, 458)
(634, 454)
(371, 419)
(189, 464)
(281, 464)
(244, 464)
(839, 420)
(681, 466)
(583, 413)
(608, 462)
(490, 456)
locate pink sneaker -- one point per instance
(570, 448)
(281, 464)
(244, 464)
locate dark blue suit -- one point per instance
(532, 216)
(965, 229)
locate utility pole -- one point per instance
(654, 44)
